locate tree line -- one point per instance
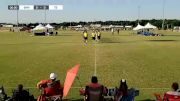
(169, 23)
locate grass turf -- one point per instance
(150, 64)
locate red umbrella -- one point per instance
(71, 74)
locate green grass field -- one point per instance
(150, 64)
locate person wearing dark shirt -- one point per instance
(21, 95)
(94, 91)
(122, 93)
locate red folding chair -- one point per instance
(168, 97)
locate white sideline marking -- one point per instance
(95, 64)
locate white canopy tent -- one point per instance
(149, 26)
(111, 26)
(79, 26)
(39, 30)
(39, 27)
(138, 27)
(48, 26)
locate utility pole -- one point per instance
(163, 15)
(45, 16)
(17, 16)
(139, 7)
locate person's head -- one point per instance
(123, 87)
(20, 87)
(94, 79)
(53, 76)
(175, 86)
(85, 31)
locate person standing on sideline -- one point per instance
(112, 31)
(118, 31)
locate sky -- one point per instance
(91, 10)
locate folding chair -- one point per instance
(55, 98)
(168, 97)
(158, 97)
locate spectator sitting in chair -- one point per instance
(122, 93)
(175, 92)
(94, 91)
(51, 87)
(3, 95)
(56, 33)
(21, 95)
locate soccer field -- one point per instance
(149, 64)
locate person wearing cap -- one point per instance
(51, 86)
(94, 91)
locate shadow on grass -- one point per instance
(118, 42)
(122, 42)
(57, 35)
(124, 35)
(67, 35)
(173, 35)
(111, 42)
(108, 40)
(73, 43)
(162, 40)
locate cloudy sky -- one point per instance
(91, 10)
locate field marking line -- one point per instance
(95, 64)
(95, 59)
(63, 43)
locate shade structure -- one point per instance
(111, 26)
(138, 27)
(71, 74)
(149, 26)
(48, 26)
(39, 27)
